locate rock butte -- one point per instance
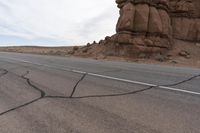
(149, 26)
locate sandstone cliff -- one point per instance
(149, 27)
(185, 16)
(145, 25)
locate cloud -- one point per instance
(70, 21)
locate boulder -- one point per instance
(184, 54)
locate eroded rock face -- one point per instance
(185, 16)
(149, 26)
(143, 26)
(182, 7)
(126, 20)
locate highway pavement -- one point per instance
(49, 94)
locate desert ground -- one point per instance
(183, 53)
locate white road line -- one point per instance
(107, 77)
(81, 72)
(123, 80)
(179, 90)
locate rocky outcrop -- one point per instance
(144, 26)
(186, 28)
(147, 27)
(185, 16)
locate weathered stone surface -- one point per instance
(148, 26)
(186, 28)
(126, 20)
(123, 38)
(198, 29)
(141, 18)
(185, 19)
(166, 22)
(196, 4)
(184, 6)
(155, 23)
(192, 31)
(120, 3)
(144, 25)
(181, 27)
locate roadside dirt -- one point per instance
(183, 53)
(59, 51)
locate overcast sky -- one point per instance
(56, 22)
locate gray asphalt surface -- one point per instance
(41, 94)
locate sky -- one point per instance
(56, 22)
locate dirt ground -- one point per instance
(186, 54)
(59, 51)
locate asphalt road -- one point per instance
(47, 94)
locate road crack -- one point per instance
(101, 96)
(183, 81)
(3, 72)
(32, 85)
(43, 93)
(20, 106)
(74, 89)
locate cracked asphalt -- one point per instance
(39, 95)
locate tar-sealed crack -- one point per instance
(184, 81)
(3, 72)
(74, 89)
(43, 94)
(101, 96)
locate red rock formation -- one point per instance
(185, 16)
(149, 26)
(144, 26)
